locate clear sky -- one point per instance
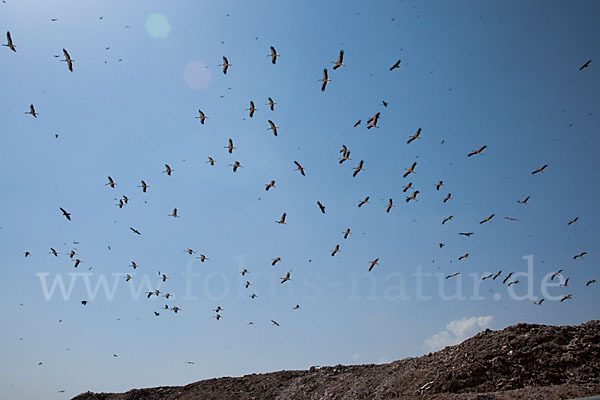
(503, 74)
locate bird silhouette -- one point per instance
(273, 55)
(584, 66)
(415, 136)
(373, 263)
(321, 207)
(32, 111)
(201, 116)
(65, 213)
(68, 60)
(225, 65)
(9, 42)
(477, 151)
(339, 62)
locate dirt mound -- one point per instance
(521, 361)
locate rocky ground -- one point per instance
(520, 362)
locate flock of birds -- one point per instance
(271, 184)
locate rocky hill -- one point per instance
(521, 361)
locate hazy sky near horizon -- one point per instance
(501, 74)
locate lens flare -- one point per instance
(158, 26)
(196, 75)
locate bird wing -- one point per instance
(66, 53)
(8, 38)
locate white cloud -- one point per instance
(457, 331)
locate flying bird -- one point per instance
(144, 186)
(275, 261)
(477, 151)
(413, 196)
(357, 123)
(65, 213)
(211, 161)
(321, 206)
(68, 60)
(275, 323)
(488, 219)
(410, 170)
(324, 80)
(373, 263)
(539, 302)
(53, 252)
(556, 274)
(282, 219)
(467, 234)
(251, 109)
(202, 258)
(286, 278)
(273, 55)
(168, 170)
(335, 250)
(372, 122)
(396, 65)
(452, 275)
(363, 201)
(77, 262)
(590, 282)
(32, 111)
(201, 116)
(235, 165)
(127, 278)
(133, 265)
(512, 283)
(271, 104)
(358, 168)
(339, 62)
(299, 168)
(487, 277)
(463, 256)
(580, 255)
(540, 169)
(415, 136)
(110, 183)
(573, 220)
(269, 185)
(385, 104)
(244, 272)
(344, 157)
(405, 188)
(567, 297)
(230, 146)
(507, 278)
(135, 231)
(447, 219)
(389, 206)
(225, 65)
(346, 233)
(497, 275)
(272, 127)
(511, 219)
(174, 213)
(439, 185)
(524, 201)
(9, 42)
(584, 66)
(565, 284)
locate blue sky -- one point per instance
(501, 74)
